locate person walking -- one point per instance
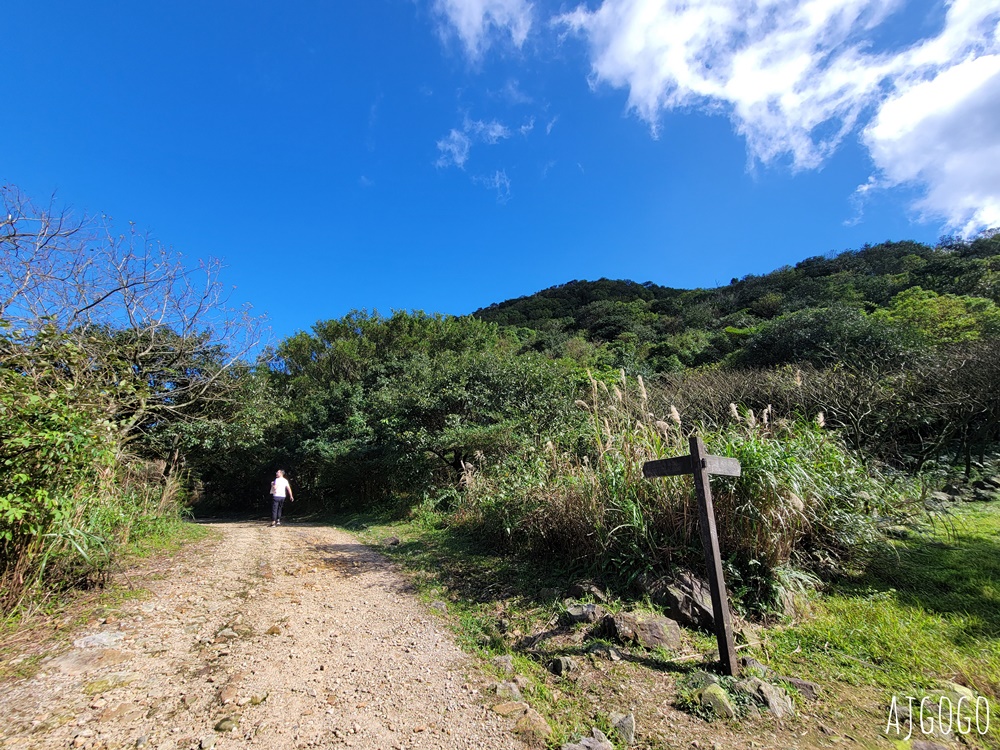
(280, 488)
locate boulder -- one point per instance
(648, 632)
(576, 613)
(658, 632)
(778, 701)
(808, 690)
(584, 589)
(687, 599)
(715, 698)
(621, 626)
(562, 666)
(533, 728)
(510, 691)
(624, 725)
(511, 708)
(596, 741)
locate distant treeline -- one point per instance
(821, 310)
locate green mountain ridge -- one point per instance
(652, 328)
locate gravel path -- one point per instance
(298, 635)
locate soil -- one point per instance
(288, 637)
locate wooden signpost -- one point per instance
(701, 465)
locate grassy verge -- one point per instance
(926, 612)
(39, 625)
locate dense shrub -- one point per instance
(803, 500)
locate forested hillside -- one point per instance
(819, 310)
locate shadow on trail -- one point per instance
(474, 570)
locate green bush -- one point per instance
(804, 502)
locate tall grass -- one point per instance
(803, 502)
(106, 515)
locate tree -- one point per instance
(159, 339)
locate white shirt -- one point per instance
(280, 487)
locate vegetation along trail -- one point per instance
(287, 637)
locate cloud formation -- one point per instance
(454, 148)
(797, 76)
(478, 22)
(498, 182)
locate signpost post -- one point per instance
(701, 465)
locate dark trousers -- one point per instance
(276, 503)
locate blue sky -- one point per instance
(446, 154)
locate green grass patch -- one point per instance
(924, 612)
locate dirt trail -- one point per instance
(299, 635)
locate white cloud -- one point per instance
(491, 132)
(797, 76)
(939, 130)
(454, 149)
(498, 182)
(477, 22)
(527, 127)
(512, 93)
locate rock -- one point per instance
(588, 588)
(227, 724)
(532, 727)
(511, 708)
(620, 626)
(509, 690)
(941, 497)
(926, 745)
(649, 632)
(687, 599)
(100, 640)
(775, 698)
(755, 666)
(562, 666)
(748, 686)
(584, 613)
(207, 742)
(702, 679)
(596, 741)
(439, 605)
(548, 594)
(228, 634)
(624, 725)
(715, 698)
(658, 632)
(778, 701)
(505, 663)
(227, 694)
(77, 662)
(605, 651)
(808, 690)
(954, 691)
(391, 541)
